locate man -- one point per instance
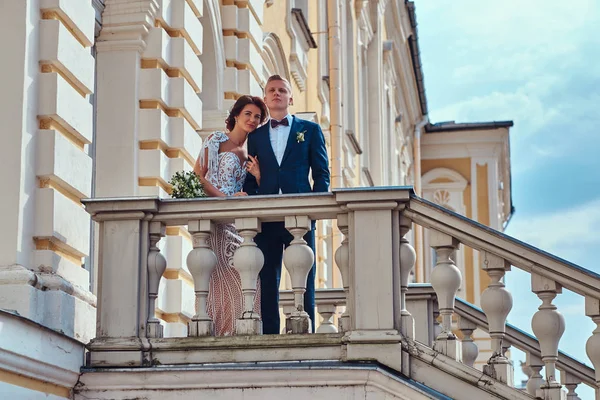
(284, 150)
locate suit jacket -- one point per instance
(299, 157)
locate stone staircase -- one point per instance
(387, 344)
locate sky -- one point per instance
(537, 63)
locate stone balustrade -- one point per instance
(422, 301)
(549, 275)
(375, 260)
(131, 264)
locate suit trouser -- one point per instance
(271, 241)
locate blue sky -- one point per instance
(536, 62)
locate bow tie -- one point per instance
(275, 123)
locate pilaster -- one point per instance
(48, 167)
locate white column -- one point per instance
(248, 260)
(445, 279)
(125, 27)
(342, 255)
(123, 281)
(47, 72)
(548, 326)
(201, 262)
(496, 303)
(298, 259)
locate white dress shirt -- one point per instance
(279, 138)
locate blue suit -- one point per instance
(299, 158)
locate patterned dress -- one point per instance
(225, 300)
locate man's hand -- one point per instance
(238, 194)
(253, 167)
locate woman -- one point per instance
(222, 169)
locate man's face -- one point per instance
(278, 96)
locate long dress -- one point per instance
(225, 301)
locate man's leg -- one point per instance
(309, 295)
(272, 247)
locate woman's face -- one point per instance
(249, 118)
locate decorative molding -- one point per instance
(308, 116)
(368, 176)
(458, 182)
(274, 56)
(354, 142)
(298, 58)
(38, 370)
(99, 9)
(303, 24)
(125, 26)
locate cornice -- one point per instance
(301, 19)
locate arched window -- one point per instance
(274, 57)
(444, 187)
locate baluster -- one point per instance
(548, 326)
(407, 263)
(445, 279)
(496, 303)
(571, 383)
(592, 347)
(470, 351)
(201, 261)
(156, 268)
(536, 380)
(298, 259)
(342, 259)
(248, 260)
(326, 311)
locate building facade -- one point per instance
(110, 98)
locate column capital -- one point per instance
(125, 25)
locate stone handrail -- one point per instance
(498, 252)
(465, 310)
(519, 254)
(131, 264)
(514, 336)
(527, 343)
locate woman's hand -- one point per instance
(202, 172)
(253, 167)
(239, 194)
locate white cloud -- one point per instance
(567, 233)
(512, 39)
(522, 106)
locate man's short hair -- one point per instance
(278, 78)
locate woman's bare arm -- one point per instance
(201, 171)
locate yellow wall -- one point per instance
(463, 167)
(274, 22)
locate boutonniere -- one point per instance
(300, 136)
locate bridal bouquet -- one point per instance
(186, 185)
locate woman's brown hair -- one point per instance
(239, 106)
